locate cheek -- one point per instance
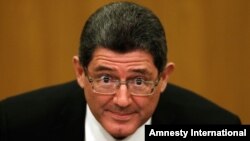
(95, 101)
(92, 99)
(88, 94)
(147, 104)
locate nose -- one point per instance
(122, 98)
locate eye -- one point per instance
(105, 78)
(139, 81)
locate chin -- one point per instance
(121, 135)
(120, 127)
(121, 131)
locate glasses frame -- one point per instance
(119, 83)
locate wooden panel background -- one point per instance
(209, 41)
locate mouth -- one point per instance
(119, 116)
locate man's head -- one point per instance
(122, 66)
(124, 27)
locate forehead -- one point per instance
(136, 59)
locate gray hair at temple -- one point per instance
(124, 27)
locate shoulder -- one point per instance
(44, 96)
(186, 107)
(42, 108)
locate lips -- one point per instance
(120, 116)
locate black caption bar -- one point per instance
(187, 132)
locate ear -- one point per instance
(79, 71)
(165, 75)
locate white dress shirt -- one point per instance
(95, 132)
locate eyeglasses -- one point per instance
(107, 85)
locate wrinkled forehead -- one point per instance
(136, 55)
(137, 60)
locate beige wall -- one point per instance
(209, 40)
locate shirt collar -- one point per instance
(98, 133)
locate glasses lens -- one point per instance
(141, 88)
(102, 86)
(135, 87)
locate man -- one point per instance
(122, 74)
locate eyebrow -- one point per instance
(103, 68)
(141, 71)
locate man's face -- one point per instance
(121, 114)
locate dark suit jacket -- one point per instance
(57, 113)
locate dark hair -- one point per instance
(123, 27)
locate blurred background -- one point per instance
(208, 40)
